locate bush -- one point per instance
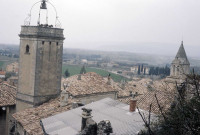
(67, 74)
(183, 118)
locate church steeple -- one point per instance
(181, 52)
(180, 65)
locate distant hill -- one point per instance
(131, 58)
(127, 53)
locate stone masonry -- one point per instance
(41, 49)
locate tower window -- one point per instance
(174, 69)
(49, 43)
(43, 42)
(27, 49)
(57, 43)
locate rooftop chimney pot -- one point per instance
(79, 77)
(64, 96)
(86, 114)
(133, 104)
(109, 80)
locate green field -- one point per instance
(1, 64)
(74, 69)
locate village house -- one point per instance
(7, 107)
(164, 92)
(81, 90)
(144, 71)
(124, 119)
(13, 80)
(92, 87)
(2, 74)
(13, 67)
(88, 87)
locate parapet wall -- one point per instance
(40, 31)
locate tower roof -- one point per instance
(181, 55)
(181, 52)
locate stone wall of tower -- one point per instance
(180, 66)
(40, 68)
(179, 69)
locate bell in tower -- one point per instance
(43, 5)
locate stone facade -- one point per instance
(180, 65)
(13, 80)
(13, 67)
(7, 107)
(145, 71)
(6, 119)
(40, 65)
(9, 119)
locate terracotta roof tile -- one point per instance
(30, 118)
(164, 92)
(7, 94)
(90, 83)
(2, 72)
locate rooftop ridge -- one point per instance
(5, 83)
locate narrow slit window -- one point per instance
(27, 49)
(43, 42)
(49, 43)
(174, 69)
(57, 43)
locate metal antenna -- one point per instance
(182, 38)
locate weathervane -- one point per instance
(43, 6)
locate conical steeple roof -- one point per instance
(181, 55)
(181, 52)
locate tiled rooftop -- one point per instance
(30, 118)
(2, 72)
(7, 94)
(165, 95)
(140, 86)
(90, 83)
(122, 121)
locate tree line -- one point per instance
(159, 71)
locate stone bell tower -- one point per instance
(40, 64)
(180, 67)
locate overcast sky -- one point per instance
(113, 24)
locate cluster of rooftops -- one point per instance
(90, 83)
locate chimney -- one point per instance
(132, 105)
(64, 96)
(109, 80)
(86, 114)
(123, 83)
(79, 77)
(65, 86)
(131, 93)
